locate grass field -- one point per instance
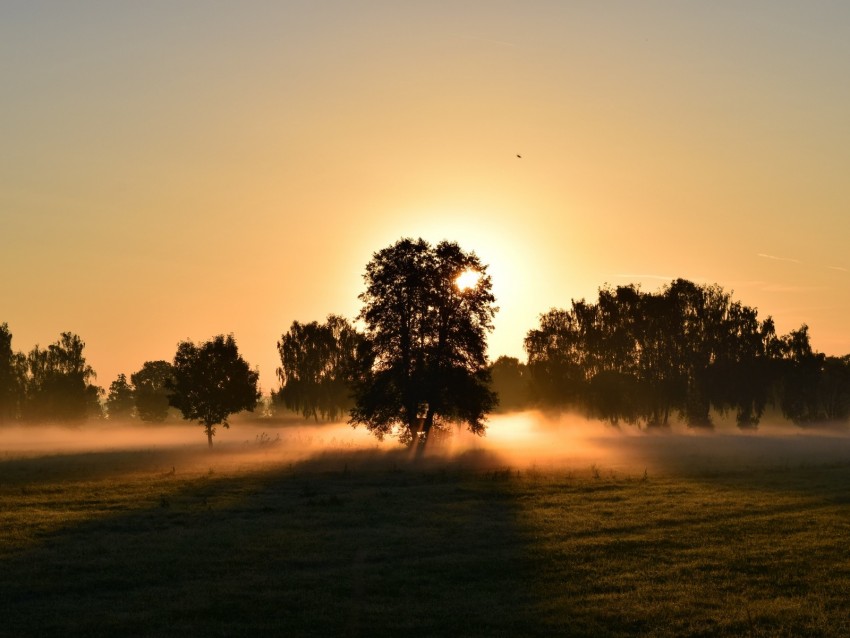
(683, 537)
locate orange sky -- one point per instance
(179, 170)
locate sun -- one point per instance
(467, 279)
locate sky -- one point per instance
(178, 170)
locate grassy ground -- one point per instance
(185, 542)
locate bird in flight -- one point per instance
(519, 156)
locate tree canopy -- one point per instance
(121, 399)
(57, 382)
(510, 383)
(211, 381)
(318, 363)
(641, 357)
(426, 365)
(151, 390)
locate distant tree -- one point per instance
(555, 359)
(265, 407)
(12, 377)
(318, 363)
(741, 376)
(510, 384)
(211, 381)
(151, 390)
(799, 377)
(58, 382)
(426, 331)
(812, 387)
(835, 388)
(121, 399)
(617, 396)
(640, 357)
(659, 374)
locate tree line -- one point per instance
(206, 382)
(419, 365)
(687, 351)
(46, 383)
(420, 362)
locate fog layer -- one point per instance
(519, 441)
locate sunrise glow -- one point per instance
(424, 318)
(467, 279)
(569, 146)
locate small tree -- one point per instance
(152, 390)
(121, 399)
(211, 381)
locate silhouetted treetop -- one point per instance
(318, 364)
(151, 390)
(58, 382)
(121, 399)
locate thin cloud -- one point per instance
(797, 261)
(775, 258)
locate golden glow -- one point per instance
(467, 279)
(302, 145)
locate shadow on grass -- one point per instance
(357, 543)
(813, 464)
(58, 468)
(346, 544)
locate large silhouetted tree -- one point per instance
(318, 363)
(121, 399)
(211, 381)
(151, 390)
(427, 338)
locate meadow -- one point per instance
(535, 530)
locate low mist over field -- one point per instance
(521, 441)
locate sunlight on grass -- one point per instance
(680, 556)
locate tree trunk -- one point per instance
(424, 433)
(209, 436)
